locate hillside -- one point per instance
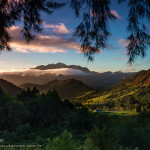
(129, 94)
(141, 78)
(66, 88)
(8, 87)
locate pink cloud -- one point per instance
(115, 14)
(41, 43)
(112, 11)
(123, 42)
(130, 69)
(60, 28)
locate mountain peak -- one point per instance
(60, 65)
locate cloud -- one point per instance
(112, 11)
(36, 72)
(123, 42)
(60, 28)
(115, 14)
(131, 69)
(41, 43)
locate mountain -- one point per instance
(132, 93)
(61, 65)
(65, 88)
(140, 78)
(93, 79)
(8, 87)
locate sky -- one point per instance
(56, 44)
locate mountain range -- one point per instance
(62, 65)
(45, 74)
(66, 88)
(71, 88)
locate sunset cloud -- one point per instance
(115, 14)
(60, 28)
(36, 72)
(130, 69)
(41, 43)
(123, 42)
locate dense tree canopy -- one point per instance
(92, 31)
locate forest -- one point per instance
(43, 121)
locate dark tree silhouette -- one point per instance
(139, 38)
(28, 11)
(93, 31)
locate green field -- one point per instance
(120, 113)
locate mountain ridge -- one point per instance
(141, 78)
(9, 87)
(91, 79)
(65, 88)
(61, 65)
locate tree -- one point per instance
(93, 31)
(27, 11)
(28, 94)
(45, 109)
(63, 142)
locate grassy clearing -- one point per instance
(120, 113)
(100, 99)
(115, 96)
(85, 94)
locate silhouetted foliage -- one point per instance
(24, 96)
(28, 11)
(93, 31)
(139, 38)
(69, 106)
(45, 108)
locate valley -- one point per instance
(68, 108)
(132, 93)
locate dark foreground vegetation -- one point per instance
(46, 122)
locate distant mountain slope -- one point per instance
(140, 78)
(61, 65)
(66, 88)
(93, 79)
(129, 94)
(8, 87)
